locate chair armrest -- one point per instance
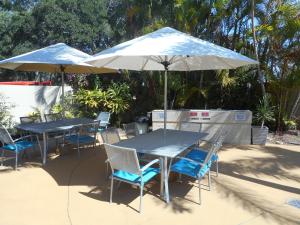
(149, 164)
(25, 137)
(190, 160)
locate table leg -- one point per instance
(161, 163)
(166, 180)
(45, 148)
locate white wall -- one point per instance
(27, 99)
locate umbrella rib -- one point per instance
(144, 65)
(110, 61)
(223, 61)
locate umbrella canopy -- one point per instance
(169, 49)
(57, 58)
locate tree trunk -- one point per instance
(295, 106)
(260, 76)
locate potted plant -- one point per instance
(264, 113)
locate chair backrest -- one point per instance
(52, 117)
(121, 158)
(5, 137)
(30, 119)
(87, 129)
(110, 136)
(130, 129)
(216, 145)
(194, 127)
(103, 117)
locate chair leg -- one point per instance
(78, 150)
(111, 189)
(16, 161)
(2, 157)
(217, 167)
(141, 196)
(209, 180)
(199, 186)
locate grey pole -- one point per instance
(63, 90)
(165, 100)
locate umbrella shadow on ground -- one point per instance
(123, 193)
(90, 170)
(276, 163)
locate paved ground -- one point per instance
(253, 188)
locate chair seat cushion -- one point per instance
(82, 139)
(199, 155)
(134, 178)
(189, 168)
(19, 146)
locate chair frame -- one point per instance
(215, 147)
(11, 141)
(35, 119)
(140, 172)
(75, 131)
(47, 116)
(101, 121)
(129, 131)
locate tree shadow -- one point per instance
(276, 163)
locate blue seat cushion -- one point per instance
(82, 139)
(19, 146)
(148, 174)
(200, 155)
(192, 169)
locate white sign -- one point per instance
(240, 116)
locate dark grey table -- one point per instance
(165, 145)
(53, 126)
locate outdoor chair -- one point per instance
(104, 118)
(196, 169)
(130, 129)
(55, 135)
(199, 154)
(194, 127)
(83, 135)
(126, 168)
(110, 136)
(52, 117)
(30, 119)
(16, 146)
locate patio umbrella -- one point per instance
(169, 50)
(57, 58)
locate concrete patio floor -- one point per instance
(253, 187)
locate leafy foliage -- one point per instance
(264, 111)
(5, 116)
(95, 25)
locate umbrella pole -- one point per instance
(165, 100)
(63, 91)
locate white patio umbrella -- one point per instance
(57, 58)
(169, 50)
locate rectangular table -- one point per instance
(53, 126)
(165, 145)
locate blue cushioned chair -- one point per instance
(126, 168)
(103, 117)
(195, 169)
(199, 154)
(83, 135)
(16, 146)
